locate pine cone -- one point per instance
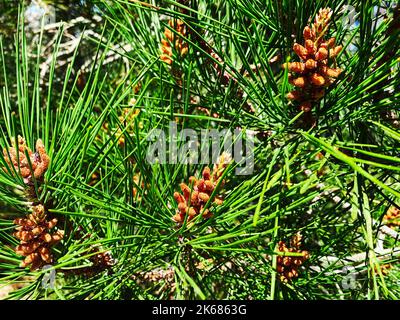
(36, 237)
(313, 74)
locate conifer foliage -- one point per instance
(108, 190)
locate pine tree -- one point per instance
(314, 83)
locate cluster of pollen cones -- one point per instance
(313, 73)
(175, 40)
(35, 232)
(36, 237)
(192, 201)
(287, 266)
(35, 166)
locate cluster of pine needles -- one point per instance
(314, 85)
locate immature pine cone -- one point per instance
(36, 237)
(39, 160)
(313, 74)
(171, 38)
(192, 202)
(288, 266)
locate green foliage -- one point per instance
(333, 182)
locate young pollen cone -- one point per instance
(16, 158)
(36, 237)
(314, 72)
(192, 200)
(173, 40)
(287, 266)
